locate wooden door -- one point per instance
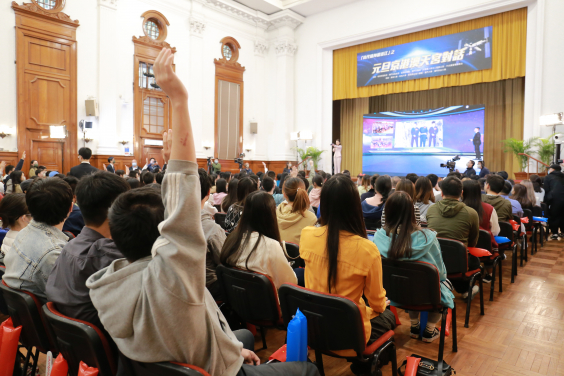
(152, 152)
(48, 154)
(46, 85)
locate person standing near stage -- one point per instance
(423, 136)
(433, 132)
(337, 149)
(477, 141)
(415, 136)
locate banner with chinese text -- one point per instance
(455, 53)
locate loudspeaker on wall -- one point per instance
(91, 107)
(254, 127)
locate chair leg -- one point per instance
(521, 255)
(454, 337)
(481, 296)
(263, 336)
(526, 246)
(442, 335)
(513, 264)
(469, 302)
(394, 358)
(319, 362)
(500, 276)
(492, 283)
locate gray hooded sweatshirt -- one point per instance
(158, 309)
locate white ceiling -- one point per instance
(305, 8)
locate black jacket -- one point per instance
(81, 170)
(554, 188)
(477, 139)
(484, 172)
(469, 172)
(110, 168)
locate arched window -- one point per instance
(50, 5)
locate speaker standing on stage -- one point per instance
(423, 136)
(415, 136)
(337, 148)
(433, 132)
(477, 141)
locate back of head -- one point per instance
(120, 173)
(231, 197)
(246, 186)
(221, 186)
(407, 186)
(384, 186)
(503, 174)
(472, 196)
(9, 168)
(148, 177)
(400, 224)
(295, 191)
(507, 188)
(49, 200)
(451, 187)
(255, 178)
(85, 153)
(521, 195)
(555, 167)
(271, 174)
(134, 219)
(340, 211)
(373, 180)
(305, 181)
(259, 215)
(27, 183)
(95, 194)
(17, 177)
(302, 173)
(205, 183)
(424, 190)
(530, 191)
(366, 181)
(318, 180)
(159, 177)
(434, 179)
(12, 207)
(73, 182)
(267, 184)
(282, 178)
(133, 183)
(456, 174)
(412, 177)
(496, 183)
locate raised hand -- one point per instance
(167, 146)
(167, 78)
(105, 169)
(294, 172)
(23, 155)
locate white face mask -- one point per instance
(216, 161)
(134, 164)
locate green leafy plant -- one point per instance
(517, 147)
(315, 155)
(302, 154)
(545, 148)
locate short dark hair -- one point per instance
(507, 187)
(451, 186)
(205, 184)
(482, 182)
(268, 183)
(133, 174)
(496, 183)
(301, 173)
(95, 194)
(110, 159)
(8, 169)
(120, 173)
(271, 174)
(413, 177)
(434, 179)
(457, 174)
(503, 174)
(85, 153)
(259, 174)
(159, 177)
(482, 163)
(306, 182)
(133, 183)
(72, 181)
(24, 185)
(49, 200)
(255, 178)
(134, 219)
(148, 177)
(555, 167)
(473, 163)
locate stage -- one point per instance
(401, 164)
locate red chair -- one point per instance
(335, 323)
(495, 260)
(134, 368)
(506, 230)
(455, 258)
(80, 341)
(252, 296)
(3, 305)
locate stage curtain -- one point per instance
(508, 55)
(352, 111)
(504, 101)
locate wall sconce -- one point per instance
(87, 140)
(5, 131)
(248, 149)
(124, 142)
(207, 145)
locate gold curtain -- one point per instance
(504, 117)
(508, 57)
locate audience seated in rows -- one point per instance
(402, 239)
(315, 192)
(220, 191)
(231, 197)
(15, 217)
(520, 194)
(294, 214)
(14, 181)
(91, 251)
(256, 244)
(405, 185)
(244, 187)
(497, 195)
(39, 244)
(75, 221)
(424, 196)
(270, 187)
(341, 260)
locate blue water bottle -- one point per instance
(297, 338)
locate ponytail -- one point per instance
(294, 189)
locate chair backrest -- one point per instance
(220, 219)
(372, 224)
(133, 368)
(537, 211)
(484, 240)
(506, 230)
(529, 214)
(3, 305)
(252, 296)
(80, 341)
(333, 322)
(455, 255)
(293, 251)
(218, 207)
(411, 283)
(544, 208)
(25, 309)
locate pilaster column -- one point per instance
(259, 99)
(202, 132)
(107, 78)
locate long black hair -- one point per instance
(472, 196)
(340, 212)
(400, 224)
(221, 186)
(231, 197)
(384, 187)
(16, 177)
(259, 215)
(246, 186)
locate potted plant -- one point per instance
(315, 155)
(545, 149)
(517, 147)
(302, 155)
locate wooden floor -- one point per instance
(521, 333)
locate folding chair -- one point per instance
(372, 224)
(495, 260)
(530, 230)
(220, 219)
(134, 368)
(3, 305)
(335, 323)
(506, 230)
(293, 251)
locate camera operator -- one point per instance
(469, 170)
(216, 166)
(247, 169)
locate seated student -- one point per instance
(133, 183)
(405, 185)
(341, 260)
(220, 191)
(244, 187)
(75, 221)
(412, 177)
(528, 185)
(402, 239)
(154, 302)
(520, 194)
(231, 197)
(15, 217)
(159, 178)
(315, 193)
(503, 174)
(120, 173)
(225, 175)
(91, 251)
(364, 184)
(371, 192)
(269, 187)
(293, 214)
(452, 219)
(272, 175)
(373, 207)
(435, 183)
(13, 183)
(38, 245)
(424, 196)
(256, 243)
(483, 169)
(495, 188)
(538, 188)
(147, 178)
(215, 237)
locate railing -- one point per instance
(529, 163)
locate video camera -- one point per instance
(240, 160)
(451, 164)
